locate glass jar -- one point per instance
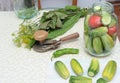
(25, 9)
(100, 29)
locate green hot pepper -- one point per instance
(64, 51)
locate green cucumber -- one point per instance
(80, 79)
(107, 42)
(111, 40)
(97, 45)
(113, 22)
(99, 31)
(114, 36)
(61, 69)
(76, 67)
(86, 25)
(101, 80)
(61, 52)
(109, 70)
(106, 18)
(86, 38)
(94, 67)
(97, 8)
(89, 45)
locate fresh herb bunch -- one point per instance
(52, 20)
(56, 22)
(24, 36)
(73, 10)
(55, 19)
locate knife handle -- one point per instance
(69, 37)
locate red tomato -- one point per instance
(112, 30)
(95, 21)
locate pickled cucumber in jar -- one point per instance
(100, 29)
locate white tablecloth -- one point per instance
(20, 65)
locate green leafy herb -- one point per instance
(66, 26)
(24, 36)
(44, 25)
(72, 8)
(52, 20)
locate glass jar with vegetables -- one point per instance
(100, 29)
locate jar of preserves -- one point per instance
(100, 29)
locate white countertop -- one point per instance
(19, 65)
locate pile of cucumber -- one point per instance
(100, 31)
(107, 74)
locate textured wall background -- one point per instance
(7, 5)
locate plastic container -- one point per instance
(100, 29)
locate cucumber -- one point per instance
(101, 80)
(80, 79)
(94, 67)
(106, 18)
(89, 45)
(109, 70)
(86, 25)
(97, 45)
(97, 8)
(107, 42)
(86, 38)
(114, 36)
(111, 40)
(61, 69)
(113, 22)
(76, 67)
(99, 31)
